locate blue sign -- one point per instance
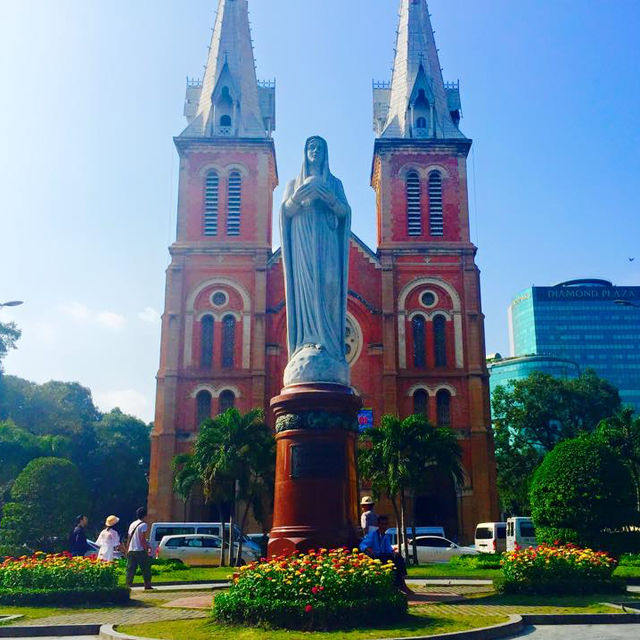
(365, 419)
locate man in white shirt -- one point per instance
(368, 519)
(138, 550)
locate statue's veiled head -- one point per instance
(316, 156)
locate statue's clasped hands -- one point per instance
(311, 191)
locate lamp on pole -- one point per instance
(11, 303)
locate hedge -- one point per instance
(63, 597)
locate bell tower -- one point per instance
(434, 359)
(213, 327)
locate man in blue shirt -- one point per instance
(377, 544)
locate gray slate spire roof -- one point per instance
(417, 103)
(229, 101)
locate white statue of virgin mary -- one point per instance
(315, 223)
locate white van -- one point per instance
(161, 529)
(491, 537)
(521, 533)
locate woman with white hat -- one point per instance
(109, 540)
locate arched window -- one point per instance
(212, 183)
(227, 400)
(203, 407)
(414, 204)
(436, 220)
(206, 342)
(421, 123)
(440, 340)
(225, 121)
(419, 342)
(228, 341)
(233, 203)
(443, 408)
(420, 402)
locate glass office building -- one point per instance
(503, 370)
(590, 322)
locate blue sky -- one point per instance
(92, 93)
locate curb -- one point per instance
(580, 618)
(50, 630)
(512, 627)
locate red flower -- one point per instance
(314, 590)
(308, 609)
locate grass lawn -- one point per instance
(591, 603)
(417, 624)
(45, 612)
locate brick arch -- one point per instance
(246, 317)
(402, 317)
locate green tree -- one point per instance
(621, 433)
(115, 468)
(532, 415)
(395, 457)
(9, 335)
(45, 497)
(235, 458)
(185, 478)
(580, 489)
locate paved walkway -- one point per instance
(583, 632)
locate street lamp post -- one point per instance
(11, 303)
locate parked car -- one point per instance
(420, 531)
(262, 540)
(94, 548)
(521, 533)
(438, 549)
(161, 529)
(200, 550)
(491, 537)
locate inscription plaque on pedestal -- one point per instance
(318, 460)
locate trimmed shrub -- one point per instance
(63, 597)
(45, 497)
(319, 590)
(580, 489)
(558, 569)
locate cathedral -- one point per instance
(415, 328)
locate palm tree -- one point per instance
(185, 477)
(235, 459)
(395, 456)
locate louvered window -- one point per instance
(228, 341)
(443, 408)
(419, 356)
(420, 402)
(436, 220)
(203, 407)
(440, 340)
(211, 204)
(233, 205)
(414, 201)
(206, 342)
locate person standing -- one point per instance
(78, 545)
(108, 540)
(138, 550)
(368, 518)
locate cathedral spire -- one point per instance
(230, 101)
(417, 103)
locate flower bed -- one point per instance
(47, 578)
(558, 569)
(318, 590)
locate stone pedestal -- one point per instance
(316, 492)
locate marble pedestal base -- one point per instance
(316, 491)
